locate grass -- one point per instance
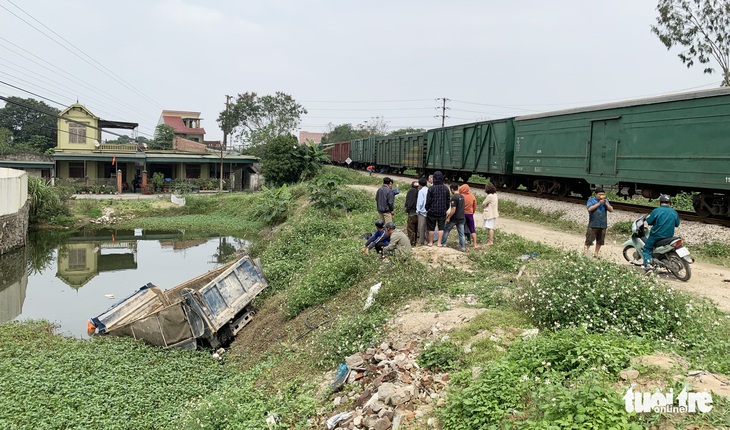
(525, 213)
(311, 318)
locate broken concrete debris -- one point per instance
(395, 390)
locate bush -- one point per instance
(46, 201)
(350, 335)
(602, 297)
(440, 356)
(273, 204)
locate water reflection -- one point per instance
(69, 278)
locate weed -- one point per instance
(440, 356)
(350, 334)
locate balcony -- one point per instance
(119, 147)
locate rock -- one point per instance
(386, 391)
(629, 374)
(399, 397)
(337, 401)
(357, 421)
(467, 349)
(431, 422)
(382, 424)
(440, 402)
(369, 421)
(377, 406)
(354, 360)
(374, 398)
(380, 357)
(385, 346)
(364, 397)
(696, 373)
(476, 371)
(530, 333)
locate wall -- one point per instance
(13, 209)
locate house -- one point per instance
(309, 136)
(81, 157)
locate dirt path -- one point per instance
(707, 280)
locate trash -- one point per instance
(373, 291)
(340, 377)
(522, 270)
(272, 420)
(524, 257)
(109, 296)
(332, 422)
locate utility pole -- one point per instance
(443, 108)
(225, 142)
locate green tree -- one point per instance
(32, 124)
(256, 120)
(702, 27)
(342, 133)
(407, 130)
(282, 161)
(313, 157)
(164, 134)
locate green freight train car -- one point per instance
(653, 146)
(362, 152)
(399, 153)
(484, 148)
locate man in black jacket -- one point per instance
(412, 223)
(384, 200)
(437, 203)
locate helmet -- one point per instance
(379, 223)
(665, 199)
(389, 225)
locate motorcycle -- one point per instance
(668, 253)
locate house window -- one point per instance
(77, 259)
(75, 169)
(192, 171)
(76, 133)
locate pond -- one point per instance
(69, 279)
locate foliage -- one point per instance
(46, 201)
(31, 122)
(54, 382)
(351, 334)
(715, 249)
(257, 120)
(313, 158)
(442, 356)
(337, 267)
(622, 228)
(507, 256)
(342, 133)
(158, 180)
(603, 297)
(241, 403)
(273, 204)
(326, 192)
(407, 130)
(700, 26)
(164, 135)
(282, 161)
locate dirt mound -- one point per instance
(443, 257)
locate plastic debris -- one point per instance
(340, 377)
(524, 257)
(332, 422)
(272, 420)
(371, 296)
(109, 296)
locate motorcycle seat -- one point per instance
(666, 241)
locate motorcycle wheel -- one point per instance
(679, 267)
(632, 256)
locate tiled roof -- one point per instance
(177, 123)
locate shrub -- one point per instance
(46, 201)
(273, 204)
(601, 296)
(440, 356)
(349, 335)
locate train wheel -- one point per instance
(698, 207)
(563, 190)
(540, 187)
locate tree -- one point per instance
(701, 26)
(282, 161)
(255, 120)
(342, 133)
(164, 134)
(407, 130)
(32, 123)
(313, 157)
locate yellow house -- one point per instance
(82, 158)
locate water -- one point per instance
(74, 278)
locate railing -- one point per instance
(120, 147)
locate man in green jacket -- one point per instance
(399, 245)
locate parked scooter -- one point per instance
(668, 253)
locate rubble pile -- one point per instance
(395, 390)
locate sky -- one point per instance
(344, 61)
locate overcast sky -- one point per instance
(345, 61)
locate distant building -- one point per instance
(186, 124)
(305, 136)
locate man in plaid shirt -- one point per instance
(437, 204)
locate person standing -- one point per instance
(399, 245)
(384, 200)
(455, 217)
(410, 206)
(437, 203)
(598, 207)
(663, 221)
(470, 206)
(421, 212)
(491, 212)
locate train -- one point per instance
(650, 146)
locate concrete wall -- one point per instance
(13, 209)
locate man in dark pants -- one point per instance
(663, 220)
(412, 223)
(597, 207)
(384, 200)
(455, 217)
(437, 203)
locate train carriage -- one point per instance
(483, 148)
(362, 152)
(339, 152)
(656, 145)
(402, 152)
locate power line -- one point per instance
(367, 101)
(101, 69)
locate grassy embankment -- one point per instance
(594, 317)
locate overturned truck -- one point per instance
(205, 311)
